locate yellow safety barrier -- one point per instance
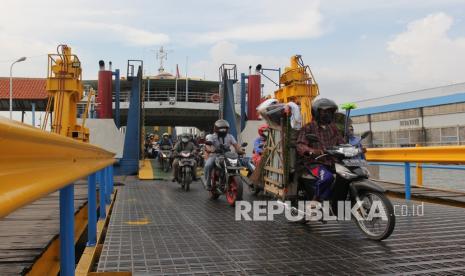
(442, 154)
(34, 163)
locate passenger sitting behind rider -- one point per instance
(209, 147)
(259, 143)
(184, 145)
(221, 140)
(323, 127)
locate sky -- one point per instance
(357, 49)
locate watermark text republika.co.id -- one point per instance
(326, 210)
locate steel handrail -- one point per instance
(180, 96)
(437, 154)
(35, 163)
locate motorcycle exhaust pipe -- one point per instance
(294, 211)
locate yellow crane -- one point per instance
(297, 84)
(65, 89)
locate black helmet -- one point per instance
(324, 104)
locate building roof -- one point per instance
(449, 99)
(23, 88)
(449, 94)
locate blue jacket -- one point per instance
(356, 141)
(258, 145)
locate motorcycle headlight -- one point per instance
(232, 162)
(350, 151)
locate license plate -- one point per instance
(355, 162)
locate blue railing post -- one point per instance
(67, 257)
(111, 179)
(107, 185)
(92, 210)
(407, 180)
(102, 201)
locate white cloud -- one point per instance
(429, 52)
(265, 21)
(125, 34)
(31, 28)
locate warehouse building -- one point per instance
(428, 117)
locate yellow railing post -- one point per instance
(419, 171)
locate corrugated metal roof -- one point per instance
(454, 98)
(413, 95)
(23, 88)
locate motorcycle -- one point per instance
(200, 154)
(153, 150)
(226, 177)
(351, 183)
(185, 171)
(165, 157)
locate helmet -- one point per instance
(262, 128)
(165, 134)
(221, 123)
(151, 135)
(209, 138)
(322, 104)
(185, 137)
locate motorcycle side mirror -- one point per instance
(312, 138)
(365, 134)
(244, 144)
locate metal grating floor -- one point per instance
(157, 229)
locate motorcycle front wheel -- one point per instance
(234, 191)
(166, 165)
(379, 227)
(214, 180)
(187, 179)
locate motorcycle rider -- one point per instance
(259, 143)
(323, 127)
(185, 144)
(221, 139)
(356, 141)
(165, 140)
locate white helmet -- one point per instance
(209, 138)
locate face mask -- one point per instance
(185, 140)
(265, 133)
(326, 119)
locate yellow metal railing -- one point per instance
(440, 155)
(34, 163)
